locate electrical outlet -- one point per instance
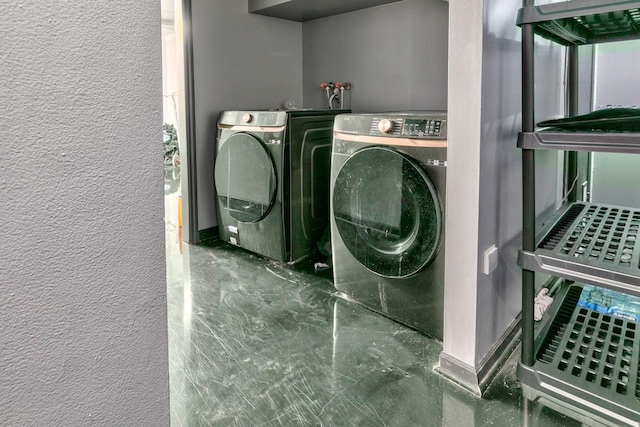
(490, 260)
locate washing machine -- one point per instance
(271, 175)
(388, 188)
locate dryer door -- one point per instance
(387, 212)
(245, 178)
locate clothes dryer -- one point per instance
(272, 180)
(388, 188)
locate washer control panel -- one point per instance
(427, 126)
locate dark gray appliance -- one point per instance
(272, 180)
(387, 214)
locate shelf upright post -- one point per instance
(528, 190)
(571, 165)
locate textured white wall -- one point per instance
(83, 318)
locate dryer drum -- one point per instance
(387, 212)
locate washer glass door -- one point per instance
(245, 178)
(387, 212)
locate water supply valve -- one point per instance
(335, 92)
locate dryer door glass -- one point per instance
(387, 212)
(245, 177)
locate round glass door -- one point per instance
(387, 212)
(245, 178)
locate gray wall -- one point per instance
(83, 318)
(395, 56)
(500, 219)
(616, 177)
(484, 184)
(241, 61)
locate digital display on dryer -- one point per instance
(267, 119)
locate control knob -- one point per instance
(385, 125)
(247, 118)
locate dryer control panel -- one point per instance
(253, 118)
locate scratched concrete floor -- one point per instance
(254, 343)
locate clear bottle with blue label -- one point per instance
(610, 302)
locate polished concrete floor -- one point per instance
(255, 343)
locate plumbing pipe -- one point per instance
(331, 101)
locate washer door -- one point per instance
(245, 178)
(387, 212)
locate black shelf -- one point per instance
(591, 243)
(591, 368)
(588, 360)
(610, 142)
(581, 22)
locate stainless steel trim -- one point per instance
(404, 142)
